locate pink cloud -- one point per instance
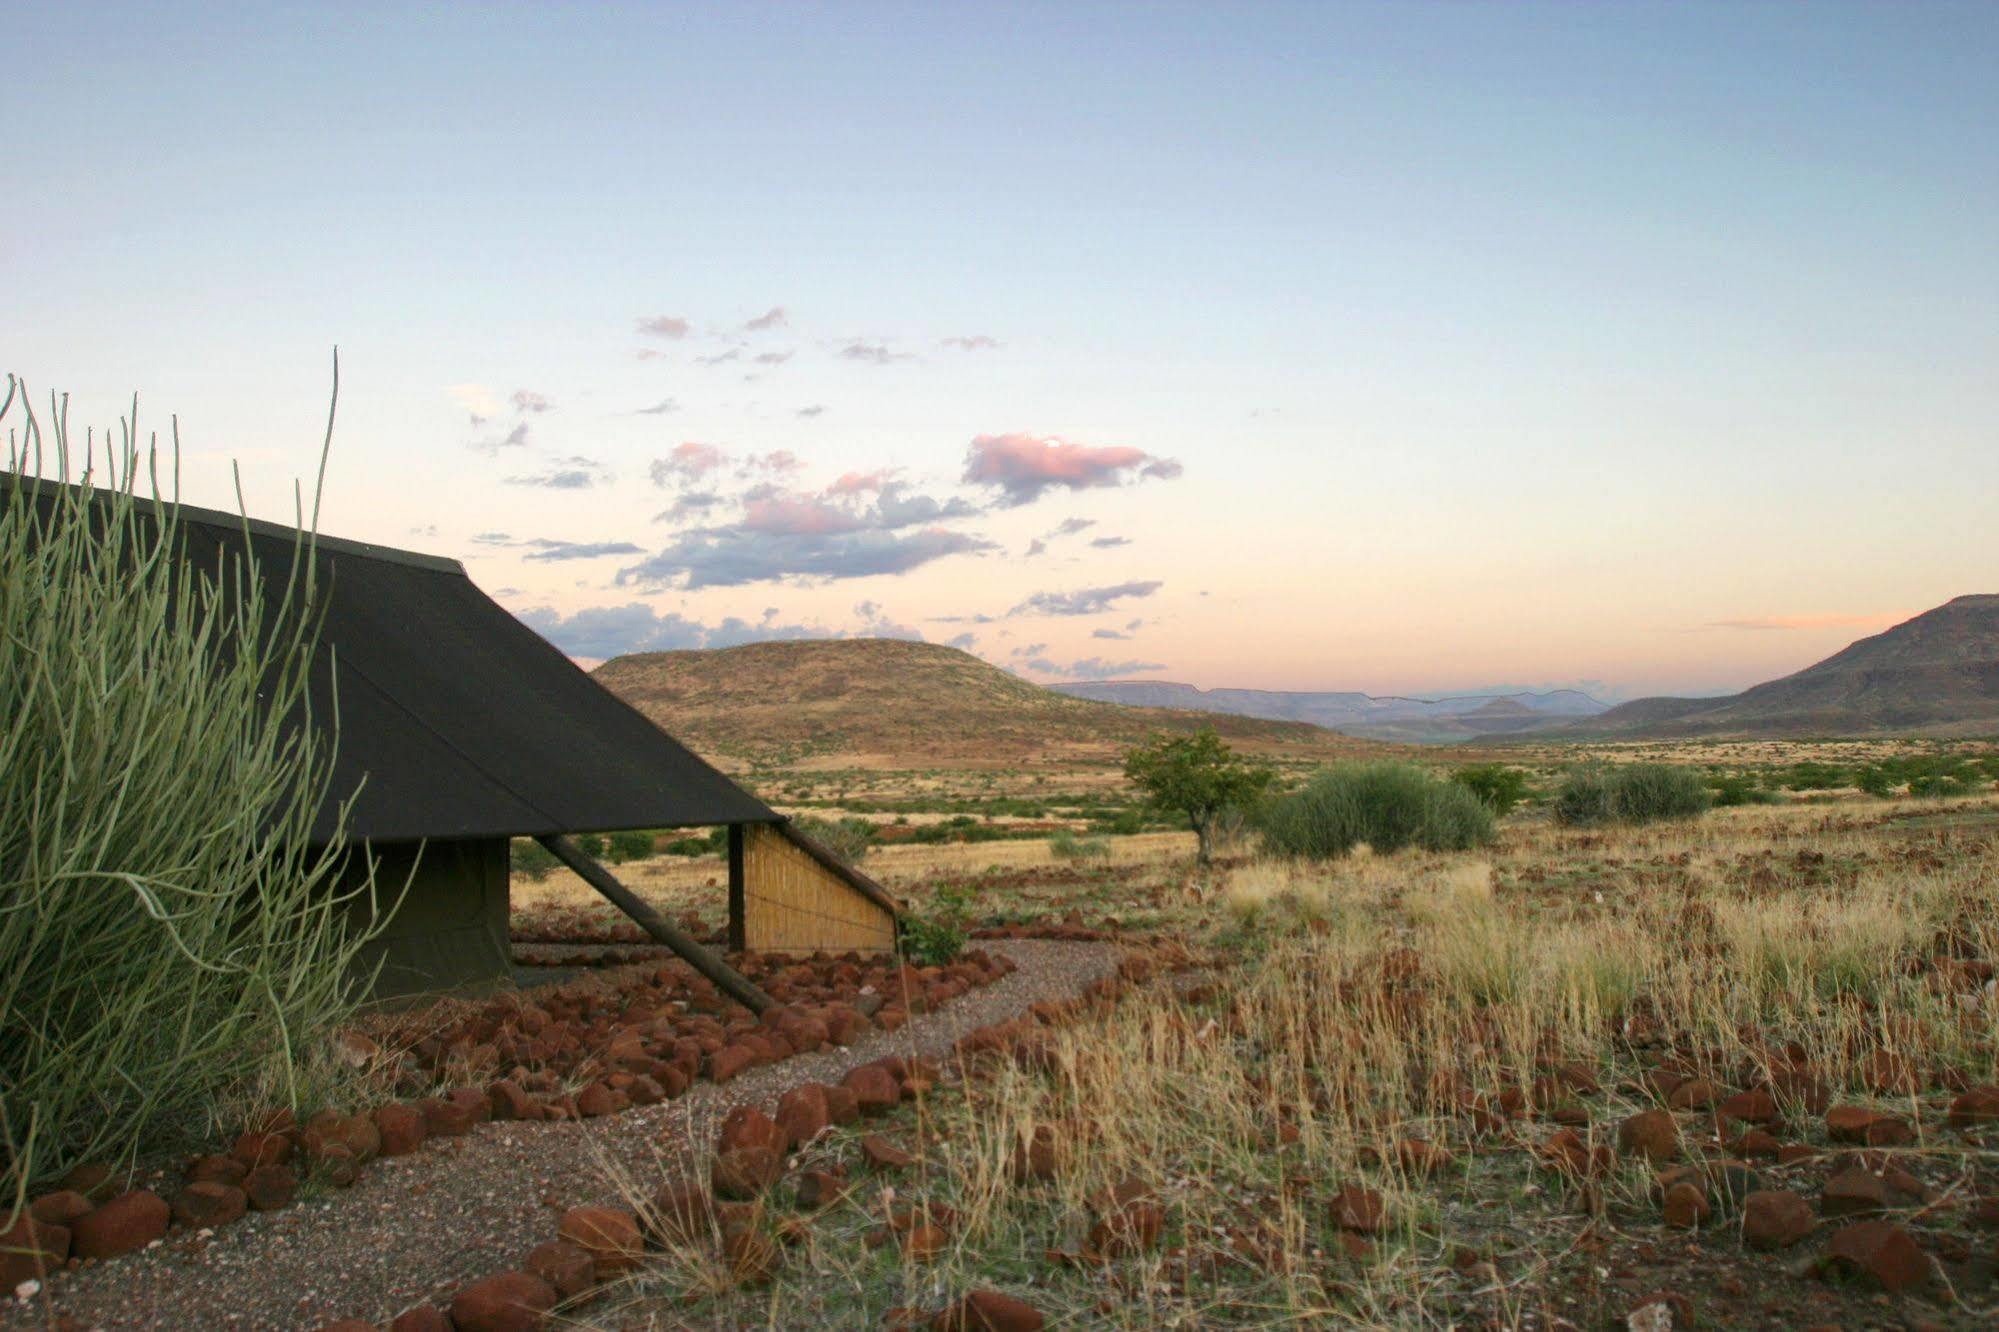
(858, 483)
(1024, 466)
(687, 462)
(797, 515)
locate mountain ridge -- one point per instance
(1935, 674)
(1390, 717)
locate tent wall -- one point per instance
(792, 902)
(450, 930)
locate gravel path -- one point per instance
(416, 1228)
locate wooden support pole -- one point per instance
(732, 982)
(737, 933)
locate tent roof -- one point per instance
(463, 721)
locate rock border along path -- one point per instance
(416, 1228)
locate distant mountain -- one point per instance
(1408, 720)
(1935, 675)
(893, 703)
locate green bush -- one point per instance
(937, 934)
(529, 859)
(1387, 805)
(1065, 845)
(1741, 790)
(629, 846)
(1631, 793)
(1497, 785)
(849, 839)
(1875, 781)
(170, 942)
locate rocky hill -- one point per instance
(908, 705)
(1935, 675)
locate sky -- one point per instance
(1402, 347)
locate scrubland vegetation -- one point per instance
(1393, 1091)
(169, 948)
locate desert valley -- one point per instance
(1033, 667)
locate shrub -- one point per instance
(1065, 845)
(1631, 793)
(1387, 805)
(1875, 781)
(1497, 785)
(1741, 790)
(170, 943)
(591, 845)
(629, 846)
(530, 860)
(936, 935)
(849, 839)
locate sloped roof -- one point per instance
(463, 721)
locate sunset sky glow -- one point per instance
(1397, 347)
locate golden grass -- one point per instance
(1372, 1001)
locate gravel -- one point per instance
(416, 1228)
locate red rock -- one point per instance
(444, 1119)
(270, 1187)
(746, 1172)
(609, 1234)
(748, 1126)
(1693, 1094)
(1882, 1252)
(64, 1207)
(29, 1250)
(510, 1302)
(1686, 1206)
(129, 1221)
(646, 1090)
(681, 1213)
(423, 1318)
(923, 1241)
(1566, 1151)
(1751, 1107)
(802, 1114)
(989, 1311)
(1652, 1134)
(1775, 1219)
(730, 1061)
(881, 1154)
(221, 1169)
(507, 1099)
(875, 1089)
(255, 1149)
(472, 1101)
(336, 1163)
(1888, 1074)
(1419, 1156)
(1132, 1228)
(842, 1106)
(1359, 1209)
(93, 1179)
(1035, 1158)
(817, 1188)
(1856, 1192)
(401, 1129)
(569, 1269)
(1757, 1143)
(209, 1203)
(596, 1101)
(753, 1257)
(1977, 1105)
(1857, 1123)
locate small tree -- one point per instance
(1199, 776)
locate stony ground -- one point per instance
(415, 1228)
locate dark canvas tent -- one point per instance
(459, 728)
